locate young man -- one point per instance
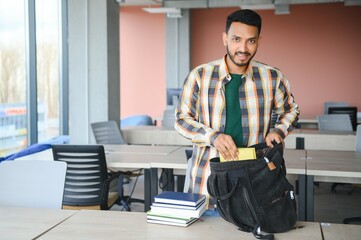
(228, 103)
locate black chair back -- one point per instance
(86, 174)
(351, 111)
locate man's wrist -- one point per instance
(279, 132)
(214, 136)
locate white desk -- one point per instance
(29, 223)
(128, 225)
(333, 231)
(330, 166)
(122, 157)
(140, 149)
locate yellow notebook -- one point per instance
(243, 154)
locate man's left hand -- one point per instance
(273, 136)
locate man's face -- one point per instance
(241, 43)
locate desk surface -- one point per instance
(334, 164)
(120, 161)
(29, 223)
(128, 225)
(333, 231)
(140, 149)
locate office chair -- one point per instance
(107, 132)
(32, 183)
(166, 179)
(87, 177)
(136, 120)
(351, 111)
(32, 149)
(327, 105)
(334, 122)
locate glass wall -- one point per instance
(14, 76)
(13, 118)
(47, 51)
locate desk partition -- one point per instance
(311, 139)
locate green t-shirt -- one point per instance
(233, 110)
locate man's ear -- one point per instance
(224, 37)
(259, 40)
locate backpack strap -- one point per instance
(256, 229)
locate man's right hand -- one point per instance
(226, 147)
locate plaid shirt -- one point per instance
(201, 111)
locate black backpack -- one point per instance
(254, 194)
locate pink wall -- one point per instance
(142, 62)
(317, 47)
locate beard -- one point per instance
(233, 57)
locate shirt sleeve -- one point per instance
(286, 108)
(187, 114)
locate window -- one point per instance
(14, 72)
(13, 119)
(47, 56)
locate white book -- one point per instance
(159, 204)
(172, 223)
(178, 212)
(168, 218)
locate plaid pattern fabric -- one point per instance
(201, 111)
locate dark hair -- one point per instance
(245, 16)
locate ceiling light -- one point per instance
(171, 12)
(282, 9)
(258, 7)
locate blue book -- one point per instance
(180, 198)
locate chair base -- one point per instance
(125, 202)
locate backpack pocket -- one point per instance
(279, 215)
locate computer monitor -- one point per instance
(327, 105)
(351, 111)
(172, 96)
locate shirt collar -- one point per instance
(224, 73)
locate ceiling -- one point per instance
(173, 7)
(225, 3)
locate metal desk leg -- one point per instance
(153, 183)
(180, 183)
(170, 180)
(309, 199)
(147, 189)
(301, 198)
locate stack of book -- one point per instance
(176, 208)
